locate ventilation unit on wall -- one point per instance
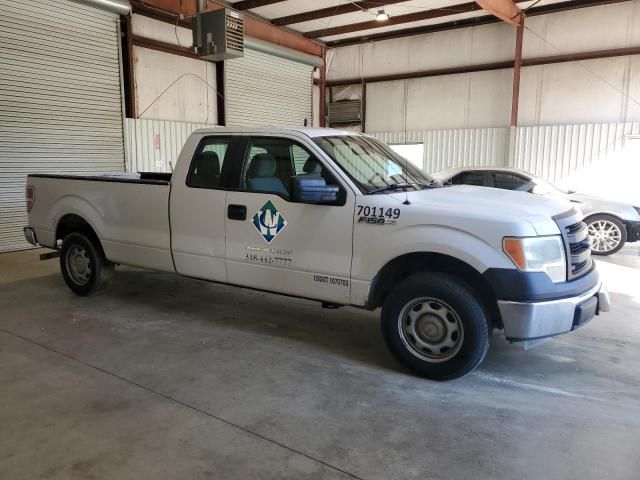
(346, 112)
(218, 34)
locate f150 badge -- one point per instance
(269, 222)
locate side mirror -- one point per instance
(313, 189)
(539, 190)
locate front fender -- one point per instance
(371, 256)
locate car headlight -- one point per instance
(538, 254)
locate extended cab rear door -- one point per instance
(279, 245)
(197, 205)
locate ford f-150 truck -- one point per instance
(340, 218)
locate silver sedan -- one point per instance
(611, 224)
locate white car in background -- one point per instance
(611, 224)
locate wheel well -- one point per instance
(406, 265)
(75, 224)
(600, 214)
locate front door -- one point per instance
(279, 245)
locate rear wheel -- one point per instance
(83, 266)
(434, 324)
(607, 234)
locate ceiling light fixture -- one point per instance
(382, 16)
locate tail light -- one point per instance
(30, 195)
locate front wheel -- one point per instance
(607, 234)
(434, 324)
(84, 268)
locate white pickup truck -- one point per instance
(340, 218)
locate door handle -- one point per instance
(237, 212)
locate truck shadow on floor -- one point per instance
(159, 306)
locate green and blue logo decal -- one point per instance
(269, 222)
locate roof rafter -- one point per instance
(249, 4)
(398, 20)
(469, 22)
(332, 11)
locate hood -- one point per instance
(493, 204)
(591, 204)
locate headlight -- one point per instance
(538, 254)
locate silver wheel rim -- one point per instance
(430, 329)
(79, 265)
(604, 235)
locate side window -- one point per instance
(271, 162)
(456, 179)
(472, 178)
(508, 181)
(207, 163)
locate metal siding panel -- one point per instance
(60, 105)
(446, 149)
(143, 154)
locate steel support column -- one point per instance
(517, 67)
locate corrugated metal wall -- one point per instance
(556, 151)
(553, 152)
(152, 144)
(444, 149)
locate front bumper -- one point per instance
(633, 231)
(536, 320)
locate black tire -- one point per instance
(460, 303)
(593, 224)
(84, 268)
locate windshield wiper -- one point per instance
(392, 186)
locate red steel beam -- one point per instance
(503, 9)
(322, 88)
(515, 98)
(167, 11)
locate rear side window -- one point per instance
(206, 166)
(507, 181)
(469, 178)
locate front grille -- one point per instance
(576, 237)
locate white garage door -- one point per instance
(265, 90)
(60, 104)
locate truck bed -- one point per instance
(129, 212)
(149, 178)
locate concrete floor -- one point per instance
(164, 377)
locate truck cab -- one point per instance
(340, 218)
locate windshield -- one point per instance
(372, 165)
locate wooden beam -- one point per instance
(470, 22)
(342, 9)
(249, 4)
(515, 97)
(503, 9)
